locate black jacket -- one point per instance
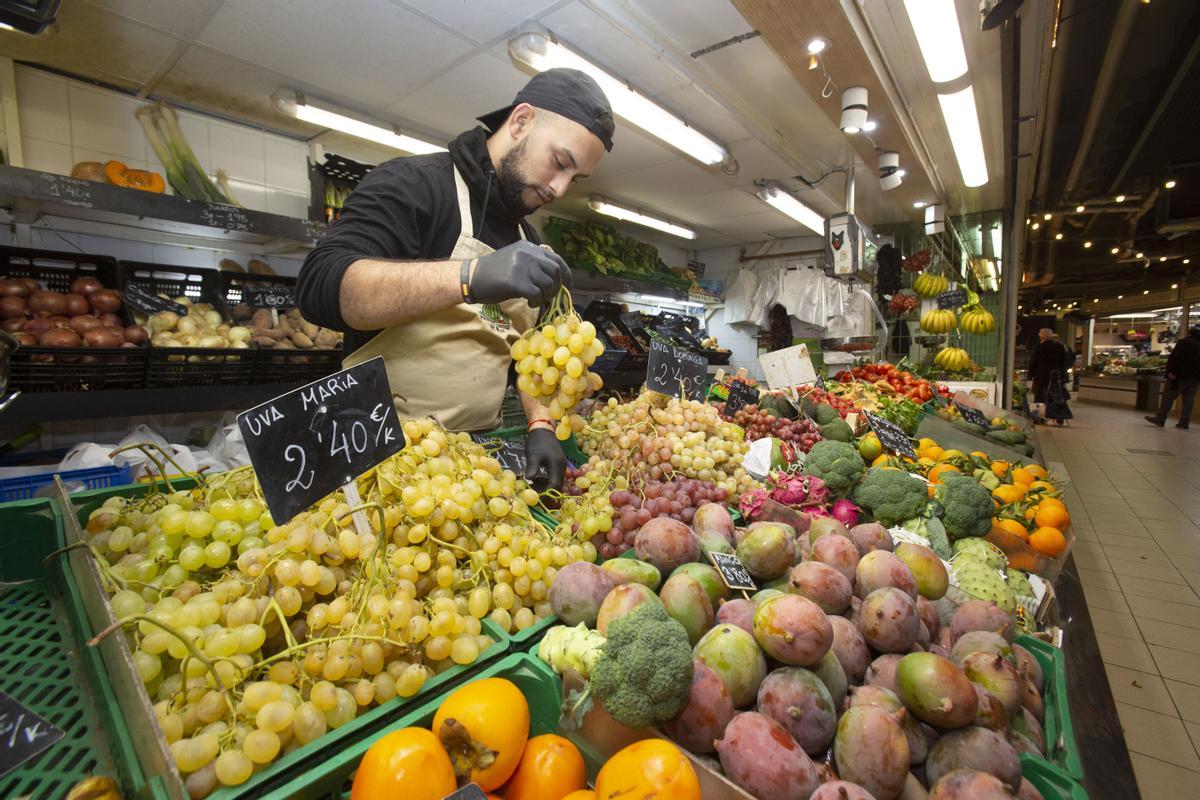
(405, 209)
(1184, 361)
(1047, 357)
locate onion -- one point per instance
(112, 321)
(187, 325)
(37, 326)
(84, 322)
(136, 334)
(103, 337)
(105, 301)
(25, 339)
(60, 337)
(239, 334)
(13, 286)
(59, 321)
(76, 304)
(129, 344)
(46, 304)
(85, 285)
(13, 306)
(164, 321)
(212, 317)
(31, 284)
(13, 325)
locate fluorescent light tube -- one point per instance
(936, 24)
(539, 53)
(602, 206)
(962, 120)
(295, 104)
(789, 205)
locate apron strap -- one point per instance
(464, 207)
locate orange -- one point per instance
(978, 454)
(925, 444)
(1051, 516)
(934, 452)
(926, 462)
(493, 713)
(649, 768)
(1013, 526)
(881, 460)
(582, 794)
(1048, 541)
(1038, 471)
(1023, 475)
(1042, 486)
(1007, 493)
(1000, 468)
(1030, 513)
(1052, 501)
(935, 473)
(406, 763)
(550, 769)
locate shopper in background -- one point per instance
(433, 266)
(1046, 358)
(1183, 378)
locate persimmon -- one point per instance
(649, 768)
(484, 726)
(409, 763)
(551, 768)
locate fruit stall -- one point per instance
(797, 596)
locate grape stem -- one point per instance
(273, 605)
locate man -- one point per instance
(1046, 359)
(433, 267)
(1183, 377)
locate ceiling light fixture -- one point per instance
(538, 52)
(1120, 297)
(1079, 209)
(816, 45)
(1120, 198)
(935, 22)
(1036, 225)
(1095, 299)
(1087, 245)
(295, 104)
(1162, 259)
(782, 201)
(870, 125)
(1145, 291)
(962, 120)
(1115, 250)
(1170, 184)
(603, 206)
(1047, 217)
(1187, 261)
(890, 174)
(854, 109)
(1174, 285)
(1058, 236)
(1141, 255)
(919, 204)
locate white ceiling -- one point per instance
(433, 65)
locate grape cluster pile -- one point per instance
(654, 438)
(677, 499)
(758, 424)
(552, 364)
(254, 639)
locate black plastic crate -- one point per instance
(198, 366)
(197, 284)
(235, 286)
(295, 366)
(55, 270)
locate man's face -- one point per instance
(548, 154)
(1045, 333)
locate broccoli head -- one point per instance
(891, 496)
(825, 414)
(838, 464)
(837, 430)
(967, 507)
(644, 675)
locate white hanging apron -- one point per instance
(453, 364)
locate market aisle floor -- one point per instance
(1134, 498)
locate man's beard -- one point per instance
(511, 183)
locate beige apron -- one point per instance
(453, 364)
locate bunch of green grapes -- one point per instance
(552, 363)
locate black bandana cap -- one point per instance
(569, 92)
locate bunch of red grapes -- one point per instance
(758, 424)
(677, 499)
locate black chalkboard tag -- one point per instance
(23, 734)
(142, 301)
(469, 792)
(952, 299)
(270, 297)
(891, 436)
(306, 443)
(509, 451)
(670, 367)
(820, 382)
(740, 395)
(938, 399)
(733, 571)
(973, 415)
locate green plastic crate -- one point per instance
(1061, 749)
(330, 778)
(286, 768)
(48, 666)
(1052, 782)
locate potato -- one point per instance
(301, 340)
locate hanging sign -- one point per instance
(954, 298)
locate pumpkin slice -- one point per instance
(118, 174)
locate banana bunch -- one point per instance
(928, 285)
(938, 320)
(977, 320)
(952, 359)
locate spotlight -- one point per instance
(1187, 261)
(870, 126)
(1079, 209)
(1036, 225)
(817, 45)
(1115, 250)
(1170, 184)
(1162, 259)
(1047, 217)
(1120, 198)
(854, 109)
(1145, 291)
(919, 204)
(1058, 237)
(1087, 245)
(1174, 285)
(1120, 297)
(890, 174)
(1141, 255)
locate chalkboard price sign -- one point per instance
(733, 571)
(952, 299)
(671, 367)
(469, 792)
(509, 452)
(740, 395)
(308, 442)
(891, 436)
(23, 734)
(270, 297)
(820, 382)
(973, 415)
(149, 304)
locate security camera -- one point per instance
(890, 174)
(854, 109)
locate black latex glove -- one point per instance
(545, 462)
(522, 269)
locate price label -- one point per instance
(306, 443)
(270, 297)
(820, 382)
(509, 452)
(953, 298)
(740, 396)
(891, 435)
(142, 301)
(939, 400)
(672, 368)
(23, 734)
(973, 415)
(469, 792)
(733, 571)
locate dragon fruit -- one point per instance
(751, 503)
(797, 490)
(845, 512)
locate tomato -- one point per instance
(550, 769)
(491, 712)
(409, 763)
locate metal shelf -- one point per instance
(34, 407)
(586, 281)
(62, 203)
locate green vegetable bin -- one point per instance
(1061, 749)
(1052, 782)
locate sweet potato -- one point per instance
(301, 340)
(262, 319)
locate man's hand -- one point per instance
(545, 461)
(521, 269)
(1172, 376)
